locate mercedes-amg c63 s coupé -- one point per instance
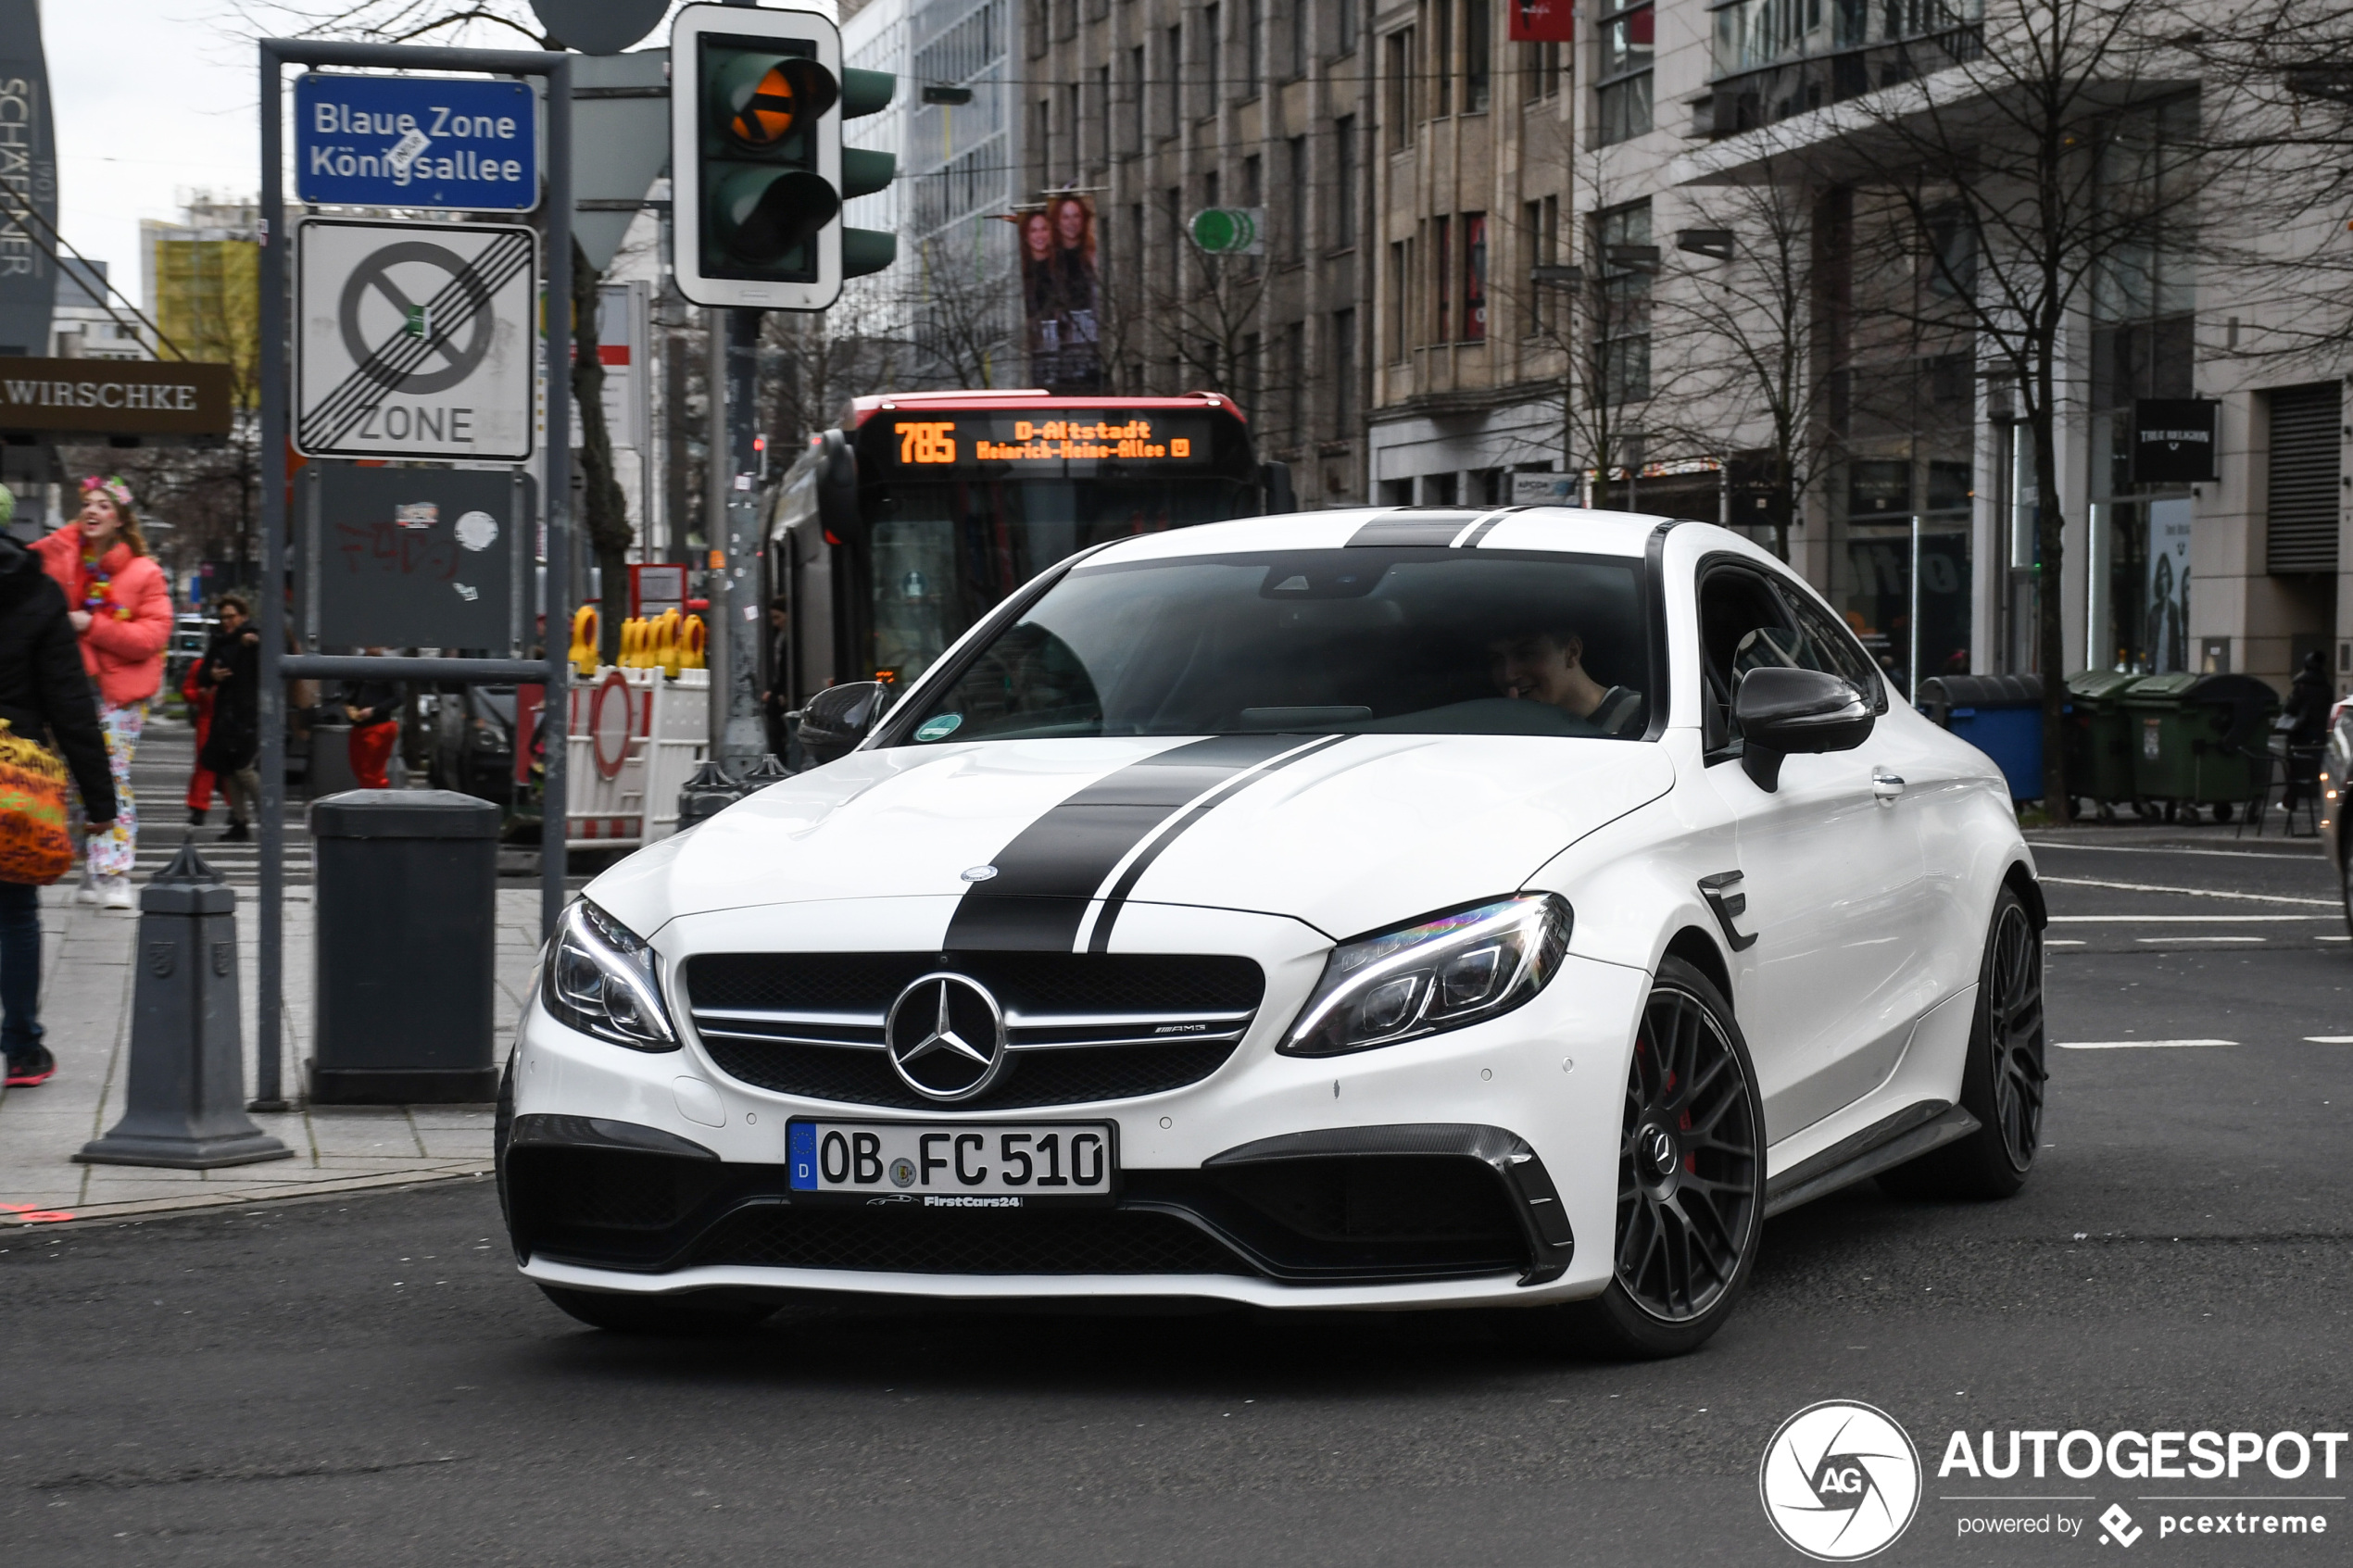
(1378, 909)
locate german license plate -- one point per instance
(976, 1165)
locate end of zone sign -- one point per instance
(416, 141)
(415, 340)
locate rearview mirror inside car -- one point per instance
(1784, 710)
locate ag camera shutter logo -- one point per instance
(1839, 1481)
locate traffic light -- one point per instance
(758, 172)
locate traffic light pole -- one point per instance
(739, 738)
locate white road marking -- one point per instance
(2137, 1045)
(2192, 892)
(2072, 942)
(2328, 1039)
(2197, 938)
(2182, 919)
(2156, 850)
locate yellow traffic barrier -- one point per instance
(583, 654)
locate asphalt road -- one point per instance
(368, 1382)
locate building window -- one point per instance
(1622, 304)
(1253, 30)
(1293, 372)
(1348, 25)
(1137, 85)
(1172, 68)
(1071, 117)
(1102, 121)
(1401, 271)
(1441, 17)
(1441, 247)
(1479, 44)
(1539, 72)
(1622, 93)
(1344, 179)
(1474, 277)
(1343, 373)
(1041, 157)
(1397, 76)
(1295, 180)
(1297, 63)
(1211, 47)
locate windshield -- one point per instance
(1394, 641)
(945, 554)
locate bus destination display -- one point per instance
(1035, 442)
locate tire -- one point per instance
(671, 1316)
(2002, 1085)
(1696, 1208)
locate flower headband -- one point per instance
(111, 488)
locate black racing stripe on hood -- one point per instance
(1411, 528)
(1047, 876)
(1116, 900)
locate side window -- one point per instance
(1743, 623)
(1825, 645)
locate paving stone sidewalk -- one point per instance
(86, 988)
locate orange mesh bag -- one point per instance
(35, 845)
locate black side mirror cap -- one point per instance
(1783, 710)
(840, 717)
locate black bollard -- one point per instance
(187, 1087)
(709, 791)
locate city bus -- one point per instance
(895, 533)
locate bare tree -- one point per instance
(1982, 177)
(1747, 324)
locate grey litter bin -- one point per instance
(405, 965)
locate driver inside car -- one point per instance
(1547, 665)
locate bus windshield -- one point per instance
(945, 553)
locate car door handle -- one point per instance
(1886, 786)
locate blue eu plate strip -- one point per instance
(800, 1150)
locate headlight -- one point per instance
(1438, 973)
(600, 981)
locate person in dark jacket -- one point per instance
(2309, 698)
(232, 669)
(44, 696)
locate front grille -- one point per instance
(916, 1242)
(1080, 1027)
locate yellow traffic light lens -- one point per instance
(766, 118)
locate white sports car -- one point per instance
(1398, 909)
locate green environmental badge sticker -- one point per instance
(938, 727)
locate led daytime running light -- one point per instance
(1441, 973)
(620, 959)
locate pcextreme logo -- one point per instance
(1839, 1481)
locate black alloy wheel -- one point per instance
(2002, 1083)
(1691, 1175)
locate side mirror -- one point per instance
(840, 717)
(1782, 711)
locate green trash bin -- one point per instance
(2199, 739)
(2099, 738)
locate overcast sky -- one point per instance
(153, 98)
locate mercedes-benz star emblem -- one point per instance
(947, 1037)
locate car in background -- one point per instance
(473, 747)
(191, 634)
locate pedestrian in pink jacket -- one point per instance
(121, 612)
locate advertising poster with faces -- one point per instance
(2168, 635)
(1059, 286)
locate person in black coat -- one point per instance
(44, 696)
(2309, 698)
(231, 668)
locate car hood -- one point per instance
(1348, 833)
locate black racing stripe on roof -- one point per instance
(1047, 876)
(1483, 530)
(1411, 528)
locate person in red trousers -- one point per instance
(200, 780)
(373, 708)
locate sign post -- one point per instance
(487, 163)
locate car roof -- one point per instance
(1566, 528)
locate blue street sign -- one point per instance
(415, 140)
